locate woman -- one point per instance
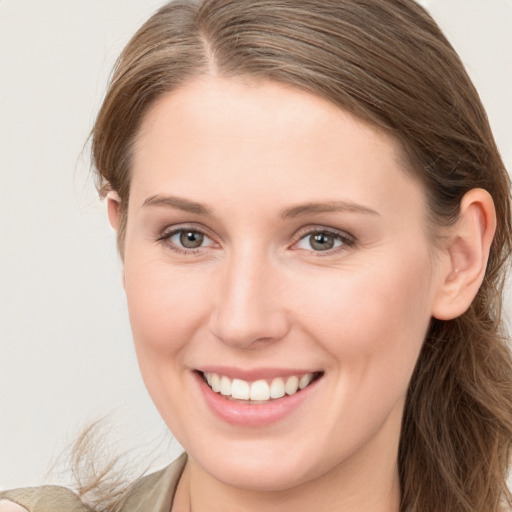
(315, 224)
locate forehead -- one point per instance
(252, 111)
(243, 137)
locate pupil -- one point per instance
(191, 239)
(322, 242)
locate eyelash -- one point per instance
(346, 240)
(167, 235)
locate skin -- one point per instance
(9, 506)
(256, 293)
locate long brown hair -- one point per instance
(386, 62)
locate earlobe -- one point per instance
(465, 255)
(113, 208)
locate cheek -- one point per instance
(166, 309)
(165, 306)
(373, 323)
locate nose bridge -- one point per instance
(248, 309)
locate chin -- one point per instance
(261, 465)
(258, 475)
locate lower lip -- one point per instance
(250, 414)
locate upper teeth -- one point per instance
(259, 389)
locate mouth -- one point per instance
(262, 391)
(258, 398)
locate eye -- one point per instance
(323, 241)
(188, 239)
(185, 239)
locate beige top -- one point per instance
(152, 493)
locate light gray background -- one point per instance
(66, 355)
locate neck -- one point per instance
(368, 480)
(323, 496)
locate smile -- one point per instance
(260, 390)
(256, 398)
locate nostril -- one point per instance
(243, 330)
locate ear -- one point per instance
(465, 255)
(113, 207)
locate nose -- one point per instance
(249, 310)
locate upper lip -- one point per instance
(254, 374)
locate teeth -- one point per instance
(277, 388)
(260, 390)
(215, 384)
(305, 380)
(225, 386)
(240, 389)
(291, 386)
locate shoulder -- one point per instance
(156, 491)
(48, 498)
(153, 492)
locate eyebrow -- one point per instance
(178, 203)
(290, 213)
(328, 207)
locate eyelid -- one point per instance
(167, 233)
(348, 239)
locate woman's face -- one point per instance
(273, 239)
